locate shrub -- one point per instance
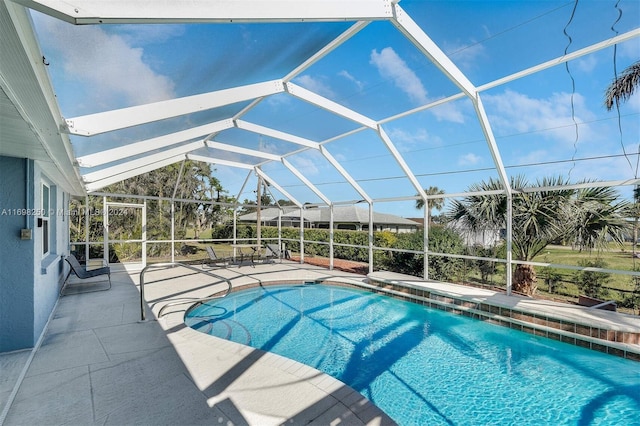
(592, 283)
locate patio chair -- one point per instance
(214, 259)
(82, 273)
(274, 252)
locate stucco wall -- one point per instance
(29, 279)
(47, 269)
(16, 256)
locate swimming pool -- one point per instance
(424, 366)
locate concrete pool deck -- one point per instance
(99, 364)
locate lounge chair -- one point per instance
(82, 273)
(214, 259)
(274, 252)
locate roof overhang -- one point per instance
(30, 119)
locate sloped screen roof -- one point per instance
(334, 101)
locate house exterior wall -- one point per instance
(29, 278)
(16, 256)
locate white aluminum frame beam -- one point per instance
(276, 134)
(328, 48)
(273, 183)
(148, 145)
(212, 160)
(491, 142)
(306, 181)
(94, 186)
(562, 59)
(403, 165)
(183, 11)
(407, 26)
(139, 162)
(243, 151)
(329, 105)
(345, 174)
(94, 124)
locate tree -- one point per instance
(435, 203)
(623, 86)
(540, 217)
(196, 183)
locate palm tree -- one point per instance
(540, 218)
(623, 86)
(435, 203)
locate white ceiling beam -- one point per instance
(213, 160)
(243, 151)
(306, 181)
(562, 59)
(407, 26)
(136, 148)
(491, 142)
(403, 165)
(273, 183)
(218, 11)
(331, 106)
(93, 124)
(276, 134)
(328, 48)
(139, 162)
(146, 168)
(345, 174)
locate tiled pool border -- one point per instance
(614, 342)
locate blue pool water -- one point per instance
(426, 367)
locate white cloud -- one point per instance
(516, 112)
(106, 63)
(406, 141)
(316, 85)
(351, 78)
(469, 159)
(448, 112)
(464, 56)
(306, 164)
(629, 49)
(587, 64)
(392, 67)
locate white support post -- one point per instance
(105, 231)
(331, 236)
(144, 233)
(301, 235)
(173, 231)
(426, 239)
(371, 237)
(509, 264)
(87, 217)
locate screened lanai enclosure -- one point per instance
(484, 122)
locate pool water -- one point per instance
(424, 366)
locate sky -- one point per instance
(546, 124)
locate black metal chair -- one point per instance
(82, 273)
(214, 259)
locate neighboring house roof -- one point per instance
(341, 214)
